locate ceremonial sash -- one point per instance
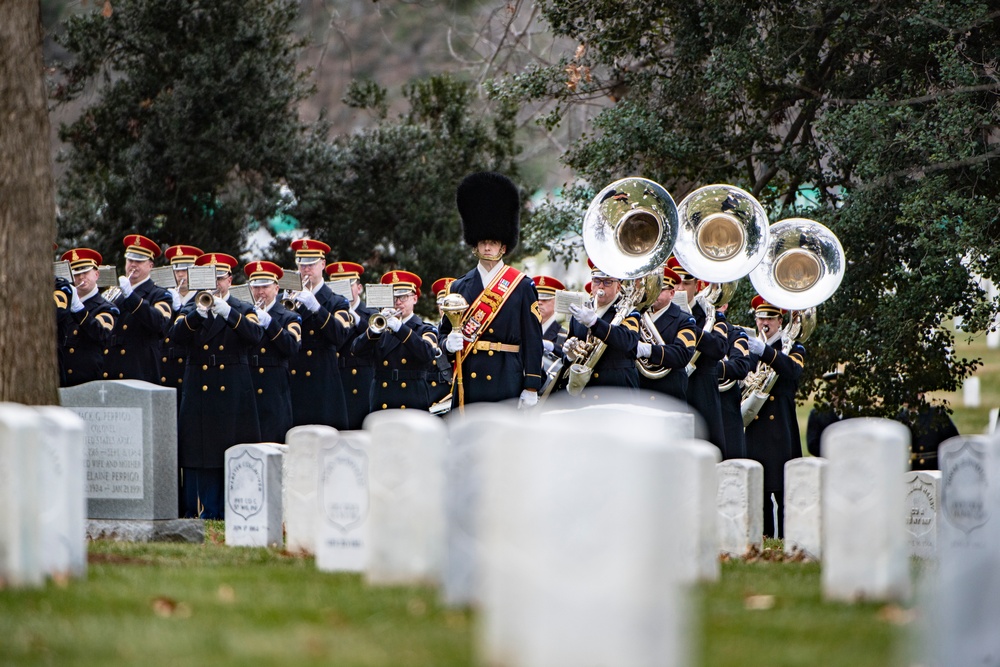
(489, 303)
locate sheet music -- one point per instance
(378, 296)
(342, 286)
(290, 281)
(62, 270)
(565, 299)
(201, 278)
(108, 276)
(164, 277)
(242, 292)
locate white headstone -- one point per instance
(20, 476)
(970, 392)
(803, 506)
(698, 500)
(343, 503)
(299, 481)
(63, 500)
(406, 529)
(966, 506)
(740, 506)
(923, 512)
(253, 496)
(864, 552)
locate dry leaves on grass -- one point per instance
(165, 607)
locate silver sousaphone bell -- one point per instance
(803, 265)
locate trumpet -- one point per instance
(288, 301)
(205, 299)
(378, 322)
(115, 291)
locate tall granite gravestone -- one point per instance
(740, 504)
(299, 484)
(342, 503)
(923, 512)
(865, 554)
(253, 496)
(63, 511)
(406, 531)
(803, 507)
(131, 460)
(21, 459)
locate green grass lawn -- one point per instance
(171, 605)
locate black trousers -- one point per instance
(202, 493)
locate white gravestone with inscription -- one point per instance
(131, 448)
(804, 479)
(21, 460)
(740, 503)
(343, 502)
(922, 512)
(864, 553)
(299, 484)
(63, 501)
(965, 491)
(253, 496)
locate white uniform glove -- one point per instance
(585, 316)
(308, 299)
(202, 310)
(355, 317)
(756, 345)
(221, 308)
(177, 300)
(528, 399)
(125, 286)
(75, 305)
(454, 342)
(263, 317)
(570, 350)
(643, 350)
(393, 323)
(548, 345)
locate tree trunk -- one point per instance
(28, 371)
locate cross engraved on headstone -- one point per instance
(103, 392)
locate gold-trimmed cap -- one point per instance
(403, 282)
(139, 248)
(82, 260)
(261, 273)
(309, 251)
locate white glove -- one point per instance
(355, 317)
(177, 301)
(202, 310)
(570, 350)
(528, 399)
(756, 345)
(548, 345)
(393, 323)
(308, 299)
(221, 308)
(75, 305)
(585, 316)
(454, 342)
(125, 286)
(643, 350)
(263, 317)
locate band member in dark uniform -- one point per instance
(355, 373)
(327, 324)
(402, 348)
(553, 333)
(135, 349)
(773, 435)
(731, 370)
(703, 383)
(269, 360)
(218, 409)
(679, 334)
(86, 321)
(498, 351)
(181, 258)
(440, 379)
(616, 367)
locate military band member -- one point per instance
(218, 409)
(731, 371)
(86, 321)
(355, 374)
(498, 351)
(181, 258)
(402, 352)
(135, 349)
(680, 335)
(773, 435)
(327, 324)
(703, 383)
(616, 367)
(440, 379)
(269, 360)
(553, 333)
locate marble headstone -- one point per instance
(343, 503)
(923, 512)
(63, 501)
(299, 483)
(253, 496)
(864, 552)
(966, 507)
(804, 478)
(21, 460)
(740, 506)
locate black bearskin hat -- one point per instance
(490, 208)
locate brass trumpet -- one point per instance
(205, 299)
(379, 322)
(115, 291)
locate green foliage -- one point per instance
(193, 121)
(887, 111)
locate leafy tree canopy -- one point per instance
(885, 112)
